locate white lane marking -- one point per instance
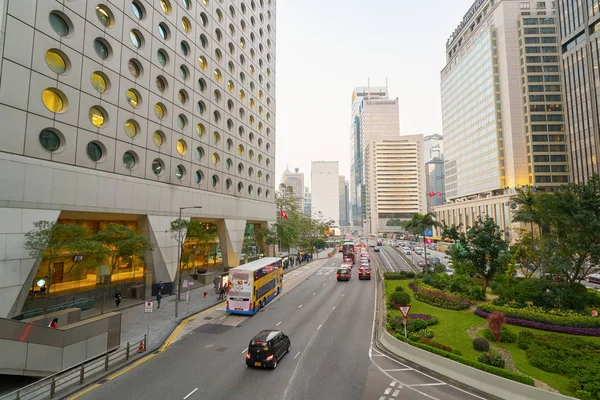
(342, 294)
(191, 393)
(223, 318)
(333, 308)
(245, 350)
(279, 323)
(314, 294)
(296, 355)
(398, 369)
(319, 326)
(395, 393)
(393, 384)
(428, 384)
(325, 283)
(382, 398)
(300, 306)
(387, 391)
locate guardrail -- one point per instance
(50, 386)
(84, 303)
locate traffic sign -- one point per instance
(185, 284)
(148, 306)
(405, 310)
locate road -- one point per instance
(330, 325)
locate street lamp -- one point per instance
(179, 245)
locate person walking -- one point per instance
(159, 297)
(118, 298)
(54, 323)
(221, 293)
(161, 286)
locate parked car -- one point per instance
(266, 349)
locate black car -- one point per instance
(267, 348)
(377, 249)
(343, 274)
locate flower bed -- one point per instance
(572, 321)
(430, 295)
(544, 326)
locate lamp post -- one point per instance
(179, 245)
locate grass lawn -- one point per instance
(452, 331)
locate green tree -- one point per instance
(121, 243)
(394, 222)
(418, 224)
(572, 219)
(531, 254)
(482, 252)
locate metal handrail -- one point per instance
(63, 379)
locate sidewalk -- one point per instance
(135, 323)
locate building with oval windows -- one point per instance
(105, 107)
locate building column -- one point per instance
(231, 239)
(17, 268)
(163, 260)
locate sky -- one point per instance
(324, 49)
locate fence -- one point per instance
(84, 303)
(49, 387)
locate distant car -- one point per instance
(343, 274)
(419, 250)
(364, 273)
(406, 251)
(593, 278)
(435, 260)
(421, 264)
(266, 349)
(377, 249)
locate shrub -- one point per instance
(418, 324)
(395, 324)
(515, 314)
(430, 295)
(507, 335)
(400, 299)
(399, 289)
(476, 294)
(517, 377)
(398, 276)
(480, 344)
(422, 334)
(491, 358)
(429, 319)
(439, 268)
(495, 323)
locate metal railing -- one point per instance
(84, 303)
(50, 386)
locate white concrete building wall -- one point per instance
(325, 190)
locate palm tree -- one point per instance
(418, 224)
(527, 209)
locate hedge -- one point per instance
(438, 298)
(549, 319)
(475, 364)
(398, 276)
(543, 326)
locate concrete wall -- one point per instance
(494, 385)
(35, 350)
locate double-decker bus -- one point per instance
(253, 285)
(349, 251)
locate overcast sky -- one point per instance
(326, 48)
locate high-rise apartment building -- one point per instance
(502, 109)
(307, 202)
(126, 111)
(395, 181)
(295, 180)
(579, 22)
(374, 117)
(433, 146)
(325, 192)
(343, 201)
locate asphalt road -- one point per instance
(330, 325)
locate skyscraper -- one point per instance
(295, 180)
(343, 201)
(307, 202)
(433, 146)
(395, 181)
(580, 34)
(374, 117)
(325, 192)
(501, 109)
(126, 111)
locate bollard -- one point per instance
(52, 388)
(145, 342)
(127, 353)
(81, 374)
(106, 362)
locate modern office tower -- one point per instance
(433, 146)
(125, 112)
(580, 39)
(347, 203)
(295, 180)
(374, 117)
(343, 201)
(325, 192)
(499, 94)
(395, 181)
(307, 201)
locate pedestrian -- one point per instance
(227, 289)
(54, 323)
(161, 286)
(216, 284)
(221, 293)
(118, 298)
(159, 297)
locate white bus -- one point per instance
(253, 285)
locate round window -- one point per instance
(99, 81)
(102, 48)
(94, 151)
(215, 181)
(50, 140)
(135, 69)
(162, 57)
(131, 128)
(198, 177)
(105, 16)
(199, 153)
(138, 9)
(179, 172)
(97, 116)
(158, 166)
(129, 160)
(58, 22)
(57, 61)
(133, 98)
(163, 30)
(159, 110)
(158, 138)
(54, 100)
(136, 38)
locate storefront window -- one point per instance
(201, 249)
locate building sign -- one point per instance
(472, 11)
